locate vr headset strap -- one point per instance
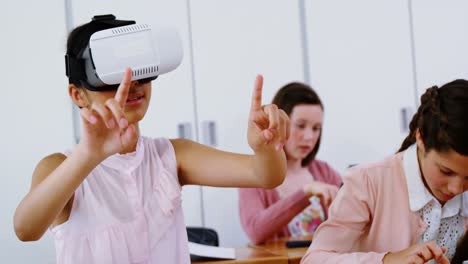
(75, 66)
(110, 21)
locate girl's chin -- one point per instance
(300, 156)
(445, 197)
(133, 117)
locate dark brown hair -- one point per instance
(442, 119)
(293, 94)
(461, 254)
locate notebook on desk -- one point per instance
(204, 252)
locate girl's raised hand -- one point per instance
(105, 127)
(268, 126)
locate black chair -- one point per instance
(204, 236)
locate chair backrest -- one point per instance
(204, 236)
(201, 235)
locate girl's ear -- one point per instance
(78, 95)
(419, 141)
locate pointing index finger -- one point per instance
(124, 87)
(257, 94)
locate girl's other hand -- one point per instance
(268, 126)
(420, 253)
(326, 192)
(105, 128)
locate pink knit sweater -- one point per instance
(265, 216)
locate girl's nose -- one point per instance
(455, 186)
(308, 134)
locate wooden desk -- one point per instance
(250, 255)
(278, 247)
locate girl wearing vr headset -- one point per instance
(413, 206)
(116, 197)
(300, 203)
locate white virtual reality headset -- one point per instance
(121, 44)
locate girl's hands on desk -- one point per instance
(324, 191)
(420, 253)
(105, 128)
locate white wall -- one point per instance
(35, 111)
(233, 41)
(360, 64)
(441, 42)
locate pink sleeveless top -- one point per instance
(128, 210)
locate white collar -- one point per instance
(418, 194)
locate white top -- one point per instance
(445, 224)
(128, 210)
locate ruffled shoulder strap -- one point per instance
(166, 184)
(166, 153)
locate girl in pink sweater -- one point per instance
(300, 204)
(411, 207)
